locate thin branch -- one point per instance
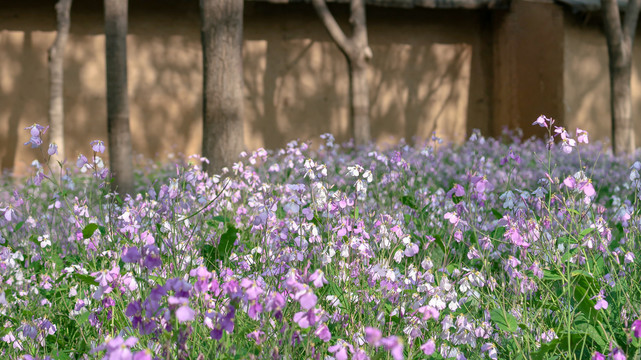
(630, 21)
(343, 42)
(612, 23)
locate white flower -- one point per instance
(345, 251)
(398, 256)
(320, 194)
(385, 242)
(437, 302)
(44, 241)
(367, 175)
(508, 199)
(355, 170)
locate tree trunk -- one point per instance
(359, 102)
(222, 40)
(56, 81)
(620, 39)
(623, 138)
(120, 152)
(356, 50)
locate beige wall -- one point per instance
(587, 84)
(528, 65)
(426, 75)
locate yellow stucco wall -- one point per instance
(427, 76)
(528, 65)
(587, 82)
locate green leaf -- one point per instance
(593, 333)
(88, 231)
(551, 275)
(208, 253)
(56, 259)
(87, 279)
(545, 350)
(218, 218)
(409, 201)
(504, 320)
(585, 232)
(569, 254)
(498, 215)
(36, 266)
(34, 239)
(18, 226)
(574, 211)
(83, 318)
(227, 242)
(498, 232)
(438, 241)
(586, 305)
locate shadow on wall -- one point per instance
(587, 80)
(14, 79)
(423, 88)
(296, 80)
(587, 90)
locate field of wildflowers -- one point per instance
(498, 248)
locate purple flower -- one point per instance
(491, 350)
(306, 298)
(481, 184)
(143, 355)
(394, 345)
(184, 314)
(8, 212)
(581, 136)
(305, 319)
(118, 348)
(587, 188)
(131, 255)
(52, 150)
(98, 146)
(457, 190)
(543, 121)
(82, 160)
(617, 354)
(318, 278)
(598, 356)
(152, 260)
(636, 328)
(429, 347)
(252, 289)
(257, 335)
(373, 336)
(323, 333)
(36, 131)
(516, 238)
(428, 312)
(340, 349)
(103, 278)
(570, 182)
(601, 303)
(568, 145)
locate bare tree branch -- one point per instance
(359, 26)
(612, 22)
(343, 42)
(630, 21)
